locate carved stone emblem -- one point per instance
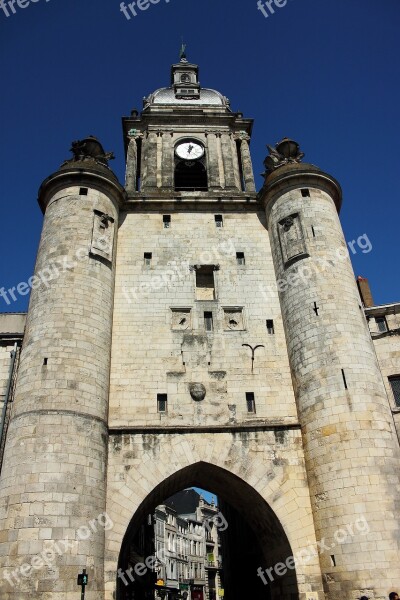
(102, 235)
(197, 391)
(181, 318)
(292, 240)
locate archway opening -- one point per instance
(190, 176)
(240, 539)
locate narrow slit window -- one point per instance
(205, 284)
(167, 221)
(240, 258)
(381, 324)
(250, 402)
(305, 193)
(162, 403)
(395, 385)
(333, 560)
(219, 221)
(208, 321)
(344, 380)
(270, 327)
(147, 259)
(45, 361)
(313, 231)
(83, 191)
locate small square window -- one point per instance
(208, 321)
(381, 324)
(270, 326)
(167, 221)
(395, 385)
(240, 259)
(305, 193)
(205, 284)
(162, 403)
(219, 221)
(147, 258)
(83, 191)
(250, 402)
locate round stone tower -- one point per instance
(350, 445)
(52, 488)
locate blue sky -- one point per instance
(208, 496)
(323, 72)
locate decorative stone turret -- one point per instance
(52, 490)
(351, 451)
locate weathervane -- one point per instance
(182, 54)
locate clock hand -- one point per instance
(190, 148)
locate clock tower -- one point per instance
(198, 334)
(188, 141)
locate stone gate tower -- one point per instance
(185, 330)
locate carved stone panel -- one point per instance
(181, 319)
(233, 319)
(102, 235)
(292, 240)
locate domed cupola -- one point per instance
(185, 89)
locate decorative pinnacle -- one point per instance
(182, 53)
(285, 152)
(90, 149)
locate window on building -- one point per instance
(162, 404)
(166, 221)
(205, 283)
(240, 259)
(147, 259)
(190, 176)
(305, 193)
(208, 321)
(270, 326)
(381, 324)
(219, 221)
(395, 385)
(83, 191)
(250, 402)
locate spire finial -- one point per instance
(182, 53)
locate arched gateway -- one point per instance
(259, 480)
(184, 330)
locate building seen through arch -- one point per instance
(199, 334)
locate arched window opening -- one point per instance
(190, 176)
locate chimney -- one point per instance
(365, 291)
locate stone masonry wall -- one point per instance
(160, 344)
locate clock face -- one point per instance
(190, 150)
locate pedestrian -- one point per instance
(393, 596)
